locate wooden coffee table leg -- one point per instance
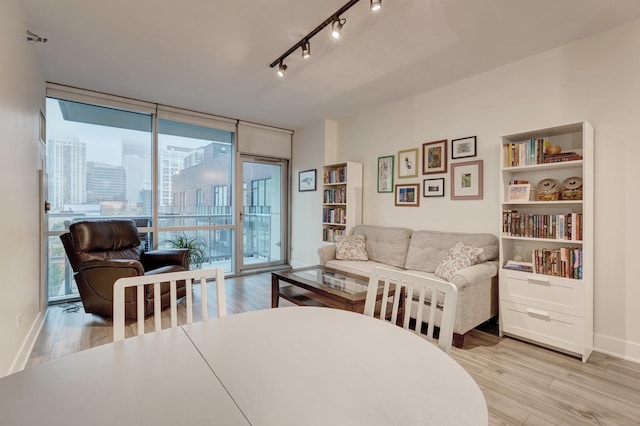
(275, 289)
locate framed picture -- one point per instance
(519, 192)
(408, 163)
(307, 180)
(463, 147)
(385, 173)
(434, 157)
(433, 187)
(466, 180)
(408, 195)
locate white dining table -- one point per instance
(284, 366)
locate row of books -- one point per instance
(330, 234)
(524, 153)
(330, 215)
(337, 175)
(333, 196)
(532, 152)
(552, 226)
(563, 262)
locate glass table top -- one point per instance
(334, 280)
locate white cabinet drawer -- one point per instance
(563, 295)
(547, 327)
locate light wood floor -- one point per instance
(522, 383)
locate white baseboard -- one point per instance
(20, 361)
(617, 347)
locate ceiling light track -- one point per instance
(304, 44)
(35, 38)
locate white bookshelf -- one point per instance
(341, 199)
(551, 305)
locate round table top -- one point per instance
(309, 365)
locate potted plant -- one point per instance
(196, 246)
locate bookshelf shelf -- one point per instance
(546, 284)
(341, 199)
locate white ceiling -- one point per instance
(212, 55)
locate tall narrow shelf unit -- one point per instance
(550, 304)
(341, 199)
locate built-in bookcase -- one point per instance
(341, 199)
(546, 246)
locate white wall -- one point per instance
(21, 98)
(308, 152)
(595, 79)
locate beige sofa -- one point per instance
(420, 252)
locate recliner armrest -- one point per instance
(158, 258)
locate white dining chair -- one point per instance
(424, 291)
(189, 277)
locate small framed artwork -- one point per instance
(433, 187)
(466, 180)
(434, 157)
(519, 192)
(408, 195)
(385, 174)
(307, 180)
(463, 147)
(408, 163)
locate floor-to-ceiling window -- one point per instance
(174, 172)
(98, 165)
(195, 180)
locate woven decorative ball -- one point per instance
(547, 190)
(572, 189)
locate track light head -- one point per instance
(306, 49)
(35, 38)
(375, 5)
(282, 69)
(336, 27)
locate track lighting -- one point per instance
(282, 69)
(306, 50)
(336, 25)
(35, 38)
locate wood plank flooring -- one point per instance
(522, 383)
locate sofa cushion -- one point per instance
(428, 248)
(459, 257)
(351, 247)
(385, 244)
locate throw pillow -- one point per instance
(459, 256)
(351, 247)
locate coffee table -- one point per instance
(323, 286)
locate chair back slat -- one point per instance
(431, 294)
(140, 282)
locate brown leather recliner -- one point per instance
(101, 251)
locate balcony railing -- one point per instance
(214, 230)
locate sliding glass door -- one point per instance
(263, 215)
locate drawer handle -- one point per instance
(535, 279)
(538, 313)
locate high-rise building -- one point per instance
(171, 162)
(105, 182)
(66, 167)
